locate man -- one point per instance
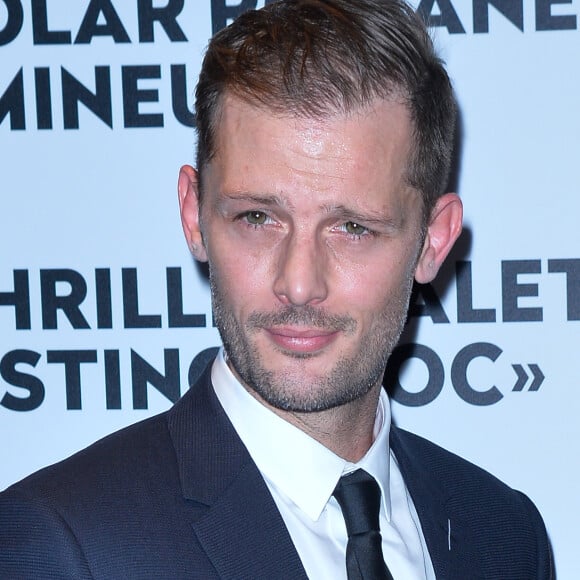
(325, 136)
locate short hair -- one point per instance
(316, 58)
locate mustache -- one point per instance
(302, 316)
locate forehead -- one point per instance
(367, 149)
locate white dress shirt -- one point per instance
(301, 475)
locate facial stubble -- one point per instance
(352, 376)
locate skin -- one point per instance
(313, 239)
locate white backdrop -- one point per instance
(91, 250)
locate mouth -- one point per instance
(300, 339)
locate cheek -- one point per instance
(377, 288)
(380, 271)
(241, 277)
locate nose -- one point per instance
(301, 276)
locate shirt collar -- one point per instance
(289, 459)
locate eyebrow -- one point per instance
(261, 199)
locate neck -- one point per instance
(346, 430)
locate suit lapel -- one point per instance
(448, 538)
(244, 535)
(235, 519)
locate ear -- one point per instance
(188, 192)
(443, 229)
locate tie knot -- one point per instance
(359, 497)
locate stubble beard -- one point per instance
(351, 377)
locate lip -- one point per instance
(302, 340)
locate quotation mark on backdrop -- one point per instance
(537, 374)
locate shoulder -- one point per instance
(409, 447)
(108, 460)
(499, 526)
(143, 451)
(115, 506)
(50, 521)
(455, 475)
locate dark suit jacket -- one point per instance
(178, 496)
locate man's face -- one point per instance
(313, 238)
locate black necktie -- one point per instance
(359, 497)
